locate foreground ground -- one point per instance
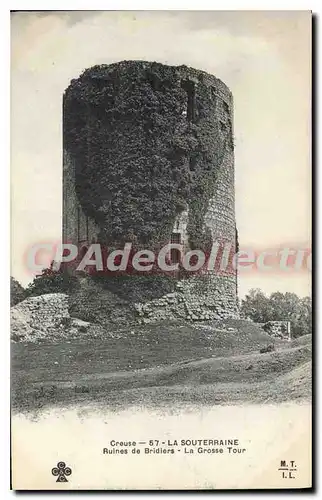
(164, 365)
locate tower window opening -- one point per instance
(192, 162)
(175, 254)
(190, 87)
(83, 252)
(154, 81)
(226, 107)
(222, 127)
(176, 238)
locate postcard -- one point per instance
(161, 311)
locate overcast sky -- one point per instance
(263, 57)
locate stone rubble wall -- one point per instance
(43, 317)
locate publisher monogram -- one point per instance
(61, 471)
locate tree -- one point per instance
(279, 307)
(303, 325)
(256, 306)
(17, 292)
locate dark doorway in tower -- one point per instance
(82, 252)
(175, 254)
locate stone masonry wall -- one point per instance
(278, 329)
(195, 299)
(78, 228)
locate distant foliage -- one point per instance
(279, 307)
(17, 292)
(50, 281)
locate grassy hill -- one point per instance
(178, 363)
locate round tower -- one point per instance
(149, 159)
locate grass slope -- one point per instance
(159, 364)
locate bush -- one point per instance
(17, 292)
(268, 348)
(279, 307)
(50, 281)
(137, 288)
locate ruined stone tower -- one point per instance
(149, 158)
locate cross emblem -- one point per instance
(61, 471)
